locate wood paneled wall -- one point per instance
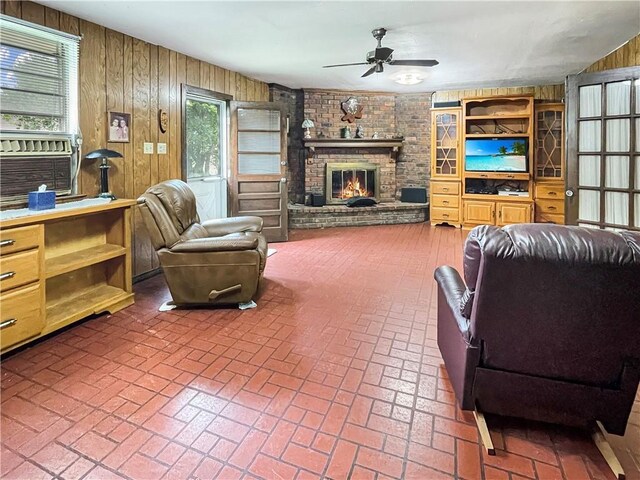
(628, 55)
(544, 92)
(125, 74)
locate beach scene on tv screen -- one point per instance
(499, 155)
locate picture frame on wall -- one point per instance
(119, 127)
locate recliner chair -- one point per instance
(547, 325)
(213, 262)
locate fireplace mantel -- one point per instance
(382, 143)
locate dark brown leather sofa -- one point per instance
(213, 262)
(551, 331)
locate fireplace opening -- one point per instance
(347, 180)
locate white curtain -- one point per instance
(619, 98)
(617, 140)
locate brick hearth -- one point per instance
(301, 216)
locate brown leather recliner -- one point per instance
(213, 262)
(547, 326)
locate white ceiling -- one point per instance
(478, 43)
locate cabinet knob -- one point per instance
(446, 202)
(552, 194)
(551, 207)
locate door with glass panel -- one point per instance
(204, 150)
(603, 146)
(258, 165)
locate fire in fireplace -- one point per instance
(347, 180)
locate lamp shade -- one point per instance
(103, 153)
(307, 123)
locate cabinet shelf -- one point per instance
(497, 117)
(497, 176)
(82, 303)
(494, 198)
(82, 258)
(497, 135)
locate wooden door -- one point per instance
(258, 165)
(509, 213)
(479, 213)
(603, 149)
(445, 134)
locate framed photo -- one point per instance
(119, 125)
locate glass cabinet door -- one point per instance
(446, 148)
(549, 148)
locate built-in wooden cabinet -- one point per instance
(479, 212)
(508, 213)
(459, 197)
(59, 266)
(549, 163)
(446, 167)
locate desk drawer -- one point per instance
(542, 217)
(445, 214)
(447, 201)
(550, 191)
(18, 239)
(21, 315)
(445, 188)
(550, 206)
(19, 269)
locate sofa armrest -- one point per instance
(452, 286)
(225, 226)
(213, 244)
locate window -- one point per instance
(205, 135)
(38, 78)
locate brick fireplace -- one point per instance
(347, 180)
(387, 114)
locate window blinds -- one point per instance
(38, 78)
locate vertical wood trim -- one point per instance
(52, 18)
(193, 71)
(164, 100)
(127, 106)
(33, 12)
(114, 82)
(174, 116)
(93, 116)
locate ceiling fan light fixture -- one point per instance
(408, 78)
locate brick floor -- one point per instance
(335, 375)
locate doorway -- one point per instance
(205, 138)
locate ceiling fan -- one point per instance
(381, 55)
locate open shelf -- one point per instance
(495, 197)
(87, 256)
(497, 116)
(497, 175)
(497, 135)
(84, 302)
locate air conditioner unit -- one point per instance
(30, 160)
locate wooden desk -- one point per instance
(63, 265)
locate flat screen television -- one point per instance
(496, 155)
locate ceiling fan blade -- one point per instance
(345, 64)
(415, 63)
(369, 72)
(383, 53)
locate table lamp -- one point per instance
(104, 153)
(307, 124)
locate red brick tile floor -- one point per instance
(335, 375)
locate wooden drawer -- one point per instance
(550, 206)
(439, 214)
(446, 201)
(19, 269)
(21, 315)
(445, 188)
(18, 239)
(542, 217)
(551, 191)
